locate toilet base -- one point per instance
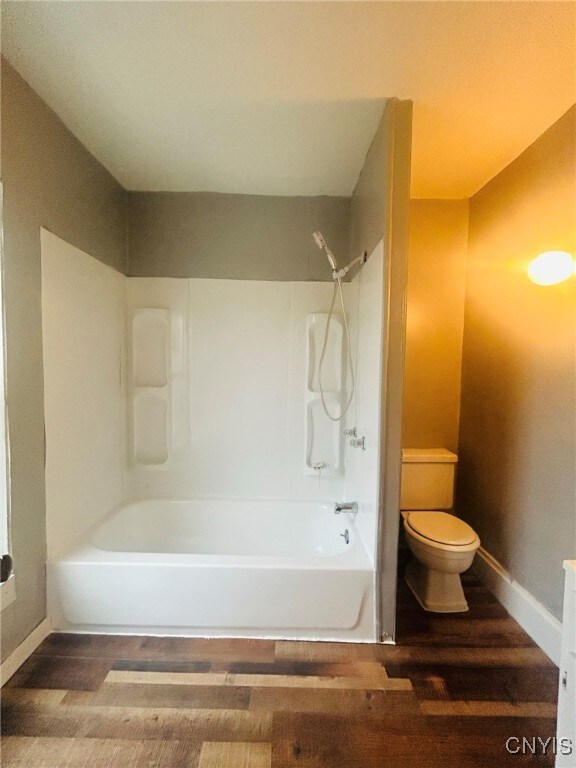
(436, 591)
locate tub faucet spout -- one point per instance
(346, 506)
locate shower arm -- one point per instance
(338, 274)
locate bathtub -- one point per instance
(218, 568)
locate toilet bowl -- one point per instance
(443, 547)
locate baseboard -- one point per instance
(24, 650)
(533, 617)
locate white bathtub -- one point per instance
(218, 568)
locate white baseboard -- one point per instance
(24, 650)
(533, 617)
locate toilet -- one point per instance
(443, 546)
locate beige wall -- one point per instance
(435, 319)
(517, 435)
(50, 180)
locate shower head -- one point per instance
(321, 243)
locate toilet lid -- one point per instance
(441, 527)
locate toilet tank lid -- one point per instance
(430, 455)
(441, 527)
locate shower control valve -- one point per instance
(346, 506)
(350, 432)
(358, 442)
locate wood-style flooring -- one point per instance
(448, 695)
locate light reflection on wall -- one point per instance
(551, 267)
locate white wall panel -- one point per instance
(243, 416)
(239, 369)
(82, 310)
(363, 467)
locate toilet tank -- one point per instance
(427, 478)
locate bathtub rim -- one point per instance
(83, 550)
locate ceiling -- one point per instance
(284, 97)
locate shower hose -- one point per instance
(344, 410)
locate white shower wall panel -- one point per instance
(239, 365)
(363, 467)
(82, 337)
(243, 424)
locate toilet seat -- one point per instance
(441, 530)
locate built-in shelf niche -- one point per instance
(150, 428)
(323, 435)
(332, 363)
(150, 335)
(150, 385)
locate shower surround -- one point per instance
(186, 479)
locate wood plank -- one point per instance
(488, 709)
(131, 723)
(144, 665)
(318, 741)
(31, 752)
(339, 683)
(259, 681)
(296, 650)
(342, 702)
(79, 698)
(62, 672)
(497, 727)
(91, 646)
(227, 755)
(171, 696)
(42, 696)
(155, 648)
(348, 668)
(530, 656)
(204, 649)
(463, 683)
(435, 629)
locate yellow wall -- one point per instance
(435, 318)
(516, 482)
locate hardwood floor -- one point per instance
(448, 695)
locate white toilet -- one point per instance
(443, 546)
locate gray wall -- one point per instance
(243, 237)
(516, 481)
(371, 196)
(50, 180)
